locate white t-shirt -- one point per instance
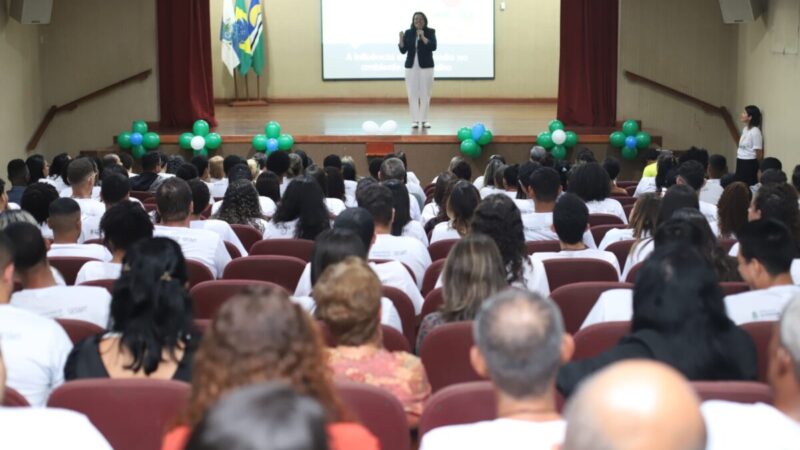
(417, 194)
(760, 305)
(268, 206)
(537, 226)
(95, 251)
(505, 434)
(638, 253)
(218, 188)
(607, 206)
(711, 192)
(49, 428)
(280, 230)
(417, 231)
(646, 185)
(591, 253)
(200, 245)
(750, 141)
(732, 425)
(525, 206)
(535, 277)
(389, 315)
(223, 229)
(411, 177)
(97, 270)
(407, 250)
(430, 211)
(67, 192)
(442, 231)
(91, 207)
(34, 350)
(87, 303)
(490, 190)
(478, 183)
(709, 211)
(615, 235)
(613, 305)
(90, 228)
(335, 206)
(414, 209)
(57, 181)
(350, 193)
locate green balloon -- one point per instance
(556, 125)
(260, 142)
(213, 141)
(139, 126)
(470, 148)
(285, 142)
(545, 139)
(485, 138)
(559, 152)
(617, 139)
(202, 152)
(200, 128)
(138, 151)
(124, 140)
(151, 140)
(273, 130)
(185, 141)
(572, 139)
(629, 153)
(630, 127)
(464, 134)
(642, 140)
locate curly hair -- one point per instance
(240, 205)
(261, 335)
(499, 218)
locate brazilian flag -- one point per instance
(250, 31)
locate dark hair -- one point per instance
(17, 171)
(200, 163)
(755, 115)
(359, 221)
(374, 166)
(462, 169)
(584, 155)
(6, 251)
(239, 172)
(2, 186)
(110, 160)
(37, 199)
(230, 162)
(717, 166)
(335, 183)
(401, 204)
(732, 209)
(201, 196)
(499, 218)
(114, 170)
(241, 206)
(440, 188)
(611, 166)
(124, 224)
(319, 175)
(664, 165)
(80, 169)
(766, 240)
(348, 172)
(524, 175)
(187, 172)
(570, 217)
(590, 182)
(378, 200)
(303, 157)
(174, 162)
(58, 167)
(564, 168)
(164, 158)
(695, 154)
(28, 244)
(150, 306)
(770, 162)
(126, 160)
(495, 163)
(275, 416)
(424, 17)
(278, 162)
(779, 201)
(304, 200)
(115, 188)
(727, 179)
(35, 165)
(173, 200)
(332, 161)
(545, 183)
(64, 206)
(690, 226)
(333, 246)
(693, 174)
(796, 176)
(268, 185)
(151, 160)
(461, 204)
(511, 177)
(677, 197)
(773, 176)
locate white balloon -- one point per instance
(559, 137)
(370, 126)
(198, 142)
(390, 126)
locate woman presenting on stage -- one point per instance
(749, 144)
(418, 44)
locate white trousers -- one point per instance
(419, 84)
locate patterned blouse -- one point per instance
(400, 373)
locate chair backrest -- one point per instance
(632, 273)
(107, 284)
(542, 246)
(459, 404)
(733, 287)
(201, 325)
(69, 266)
(206, 213)
(132, 414)
(726, 244)
(577, 299)
(198, 272)
(432, 276)
(209, 296)
(761, 332)
(599, 231)
(393, 340)
(14, 399)
(299, 248)
(232, 250)
(433, 301)
(604, 219)
(631, 189)
(379, 411)
(734, 391)
(141, 195)
(383, 261)
(405, 309)
(149, 207)
(626, 200)
(625, 184)
(627, 209)
(439, 249)
(597, 338)
(282, 270)
(247, 234)
(78, 330)
(565, 271)
(94, 241)
(445, 355)
(620, 249)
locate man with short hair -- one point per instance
(18, 176)
(65, 221)
(544, 187)
(200, 199)
(174, 205)
(519, 345)
(36, 200)
(692, 173)
(148, 180)
(394, 169)
(635, 405)
(712, 190)
(81, 175)
(41, 294)
(116, 188)
(200, 162)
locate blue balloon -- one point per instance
(272, 144)
(136, 139)
(477, 131)
(630, 142)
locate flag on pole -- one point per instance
(230, 57)
(251, 48)
(241, 30)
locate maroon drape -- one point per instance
(186, 89)
(587, 81)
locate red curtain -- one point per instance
(186, 88)
(587, 81)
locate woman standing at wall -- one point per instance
(749, 144)
(418, 44)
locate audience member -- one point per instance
(394, 169)
(402, 225)
(438, 201)
(125, 159)
(583, 155)
(461, 204)
(712, 190)
(539, 154)
(200, 197)
(148, 180)
(18, 176)
(278, 163)
(37, 199)
(116, 189)
(38, 169)
(301, 214)
(612, 168)
(240, 206)
(773, 176)
(732, 209)
(796, 177)
(651, 163)
(487, 186)
(215, 170)
(524, 201)
(82, 175)
(334, 205)
(65, 221)
(642, 223)
(461, 168)
(200, 163)
(374, 167)
(591, 183)
(544, 187)
(691, 173)
(58, 171)
(268, 186)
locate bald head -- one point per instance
(635, 405)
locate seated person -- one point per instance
(712, 190)
(19, 177)
(65, 221)
(348, 296)
(438, 203)
(393, 168)
(642, 224)
(148, 180)
(403, 225)
(36, 200)
(41, 293)
(200, 197)
(692, 173)
(122, 225)
(335, 205)
(82, 175)
(519, 345)
(571, 220)
(544, 187)
(611, 166)
(461, 204)
(116, 188)
(241, 173)
(240, 206)
(591, 183)
(151, 333)
(301, 214)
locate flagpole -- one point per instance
(235, 87)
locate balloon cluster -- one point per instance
(557, 140)
(630, 139)
(200, 140)
(273, 139)
(372, 127)
(472, 139)
(138, 140)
